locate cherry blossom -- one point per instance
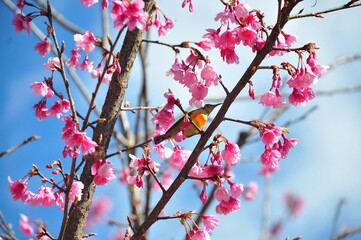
(85, 41)
(26, 226)
(21, 22)
(103, 171)
(129, 13)
(43, 47)
(19, 190)
(40, 89)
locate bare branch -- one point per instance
(12, 149)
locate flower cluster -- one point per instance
(46, 196)
(76, 139)
(271, 136)
(41, 111)
(131, 14)
(197, 83)
(143, 166)
(163, 28)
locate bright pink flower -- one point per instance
(165, 117)
(19, 190)
(25, 225)
(248, 36)
(198, 235)
(87, 65)
(302, 80)
(40, 89)
(60, 199)
(55, 110)
(271, 135)
(129, 13)
(271, 99)
(229, 55)
(205, 44)
(52, 64)
(288, 144)
(271, 157)
(316, 68)
(207, 171)
(88, 3)
(289, 39)
(166, 180)
(76, 191)
(45, 197)
(163, 29)
(21, 22)
(71, 152)
(99, 210)
(74, 60)
(103, 171)
(85, 41)
(301, 97)
(163, 152)
(75, 138)
(236, 189)
(251, 191)
(41, 112)
(225, 17)
(191, 7)
(294, 204)
(43, 47)
(231, 153)
(65, 105)
(228, 206)
(179, 157)
(209, 74)
(242, 10)
(199, 91)
(210, 222)
(221, 194)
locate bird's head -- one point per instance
(209, 107)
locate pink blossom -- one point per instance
(242, 10)
(99, 210)
(105, 4)
(228, 206)
(302, 80)
(85, 41)
(19, 190)
(301, 97)
(271, 99)
(40, 89)
(166, 180)
(41, 112)
(229, 55)
(248, 36)
(236, 189)
(251, 191)
(198, 235)
(76, 191)
(289, 39)
(142, 165)
(271, 135)
(221, 194)
(88, 3)
(271, 158)
(74, 60)
(55, 110)
(129, 13)
(199, 91)
(52, 64)
(276, 229)
(179, 157)
(316, 68)
(209, 74)
(60, 199)
(225, 17)
(163, 29)
(231, 153)
(87, 65)
(210, 222)
(191, 7)
(45, 197)
(288, 144)
(103, 171)
(21, 22)
(207, 171)
(43, 47)
(25, 225)
(205, 44)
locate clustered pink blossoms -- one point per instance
(103, 171)
(196, 83)
(46, 196)
(271, 136)
(129, 13)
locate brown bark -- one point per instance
(103, 131)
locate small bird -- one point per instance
(198, 117)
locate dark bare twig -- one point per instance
(319, 14)
(340, 203)
(7, 228)
(348, 232)
(16, 147)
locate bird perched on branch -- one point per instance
(197, 120)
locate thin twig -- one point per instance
(340, 203)
(16, 147)
(319, 14)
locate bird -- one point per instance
(198, 117)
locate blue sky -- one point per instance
(323, 168)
